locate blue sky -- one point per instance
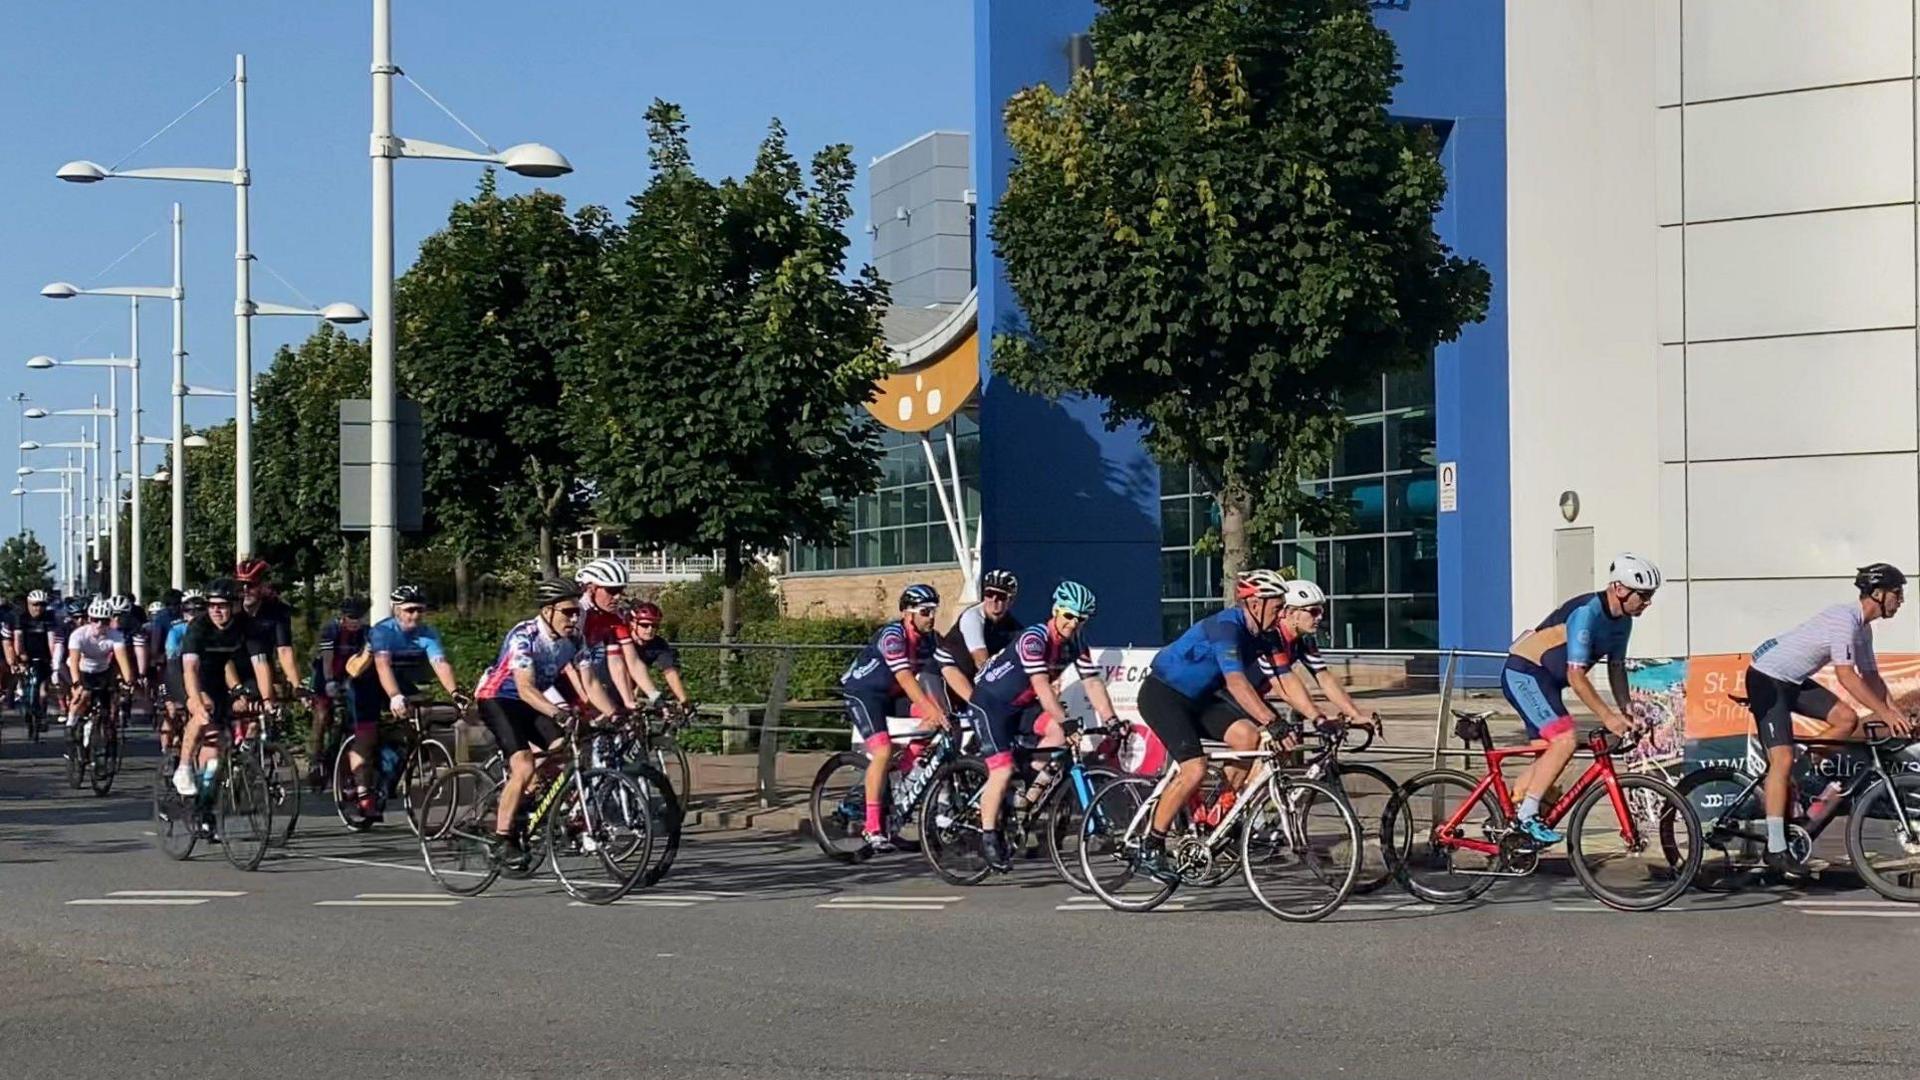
(94, 78)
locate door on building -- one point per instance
(1572, 563)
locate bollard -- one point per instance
(770, 730)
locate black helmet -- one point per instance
(1875, 576)
(354, 607)
(221, 589)
(407, 594)
(553, 590)
(1000, 581)
(171, 598)
(917, 595)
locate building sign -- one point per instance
(1449, 487)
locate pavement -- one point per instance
(756, 957)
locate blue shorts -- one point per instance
(868, 712)
(1001, 728)
(1535, 694)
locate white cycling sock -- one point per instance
(1776, 834)
(1529, 808)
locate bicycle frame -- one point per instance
(1264, 774)
(1835, 808)
(1601, 771)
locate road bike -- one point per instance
(1066, 778)
(231, 804)
(33, 707)
(1367, 789)
(593, 826)
(655, 726)
(837, 801)
(265, 742)
(630, 744)
(1880, 798)
(1633, 841)
(94, 747)
(406, 765)
(1295, 840)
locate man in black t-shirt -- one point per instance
(981, 631)
(267, 622)
(213, 654)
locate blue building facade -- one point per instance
(1064, 497)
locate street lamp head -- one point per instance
(60, 290)
(18, 491)
(29, 445)
(343, 314)
(160, 476)
(81, 172)
(41, 363)
(24, 470)
(535, 160)
(194, 441)
(35, 413)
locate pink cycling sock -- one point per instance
(873, 817)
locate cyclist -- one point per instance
(340, 640)
(403, 649)
(887, 670)
(538, 655)
(604, 631)
(1024, 673)
(268, 623)
(1215, 653)
(982, 630)
(1780, 685)
(96, 652)
(31, 643)
(161, 615)
(1272, 674)
(1554, 657)
(9, 660)
(192, 606)
(655, 653)
(132, 624)
(214, 651)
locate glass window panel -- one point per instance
(1410, 442)
(1413, 623)
(1308, 560)
(1173, 523)
(1365, 501)
(1411, 389)
(1206, 515)
(1173, 480)
(1176, 580)
(1206, 576)
(890, 547)
(866, 512)
(891, 506)
(1360, 451)
(913, 464)
(972, 492)
(868, 546)
(914, 538)
(1359, 566)
(1174, 621)
(891, 469)
(967, 450)
(917, 498)
(843, 557)
(1357, 624)
(1413, 503)
(1413, 564)
(939, 544)
(1365, 399)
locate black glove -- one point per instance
(1070, 726)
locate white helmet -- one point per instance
(37, 596)
(1263, 584)
(1302, 593)
(100, 608)
(1634, 571)
(155, 607)
(606, 573)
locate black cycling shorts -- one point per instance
(1181, 722)
(176, 683)
(1775, 703)
(518, 726)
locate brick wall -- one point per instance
(868, 593)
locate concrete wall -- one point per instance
(1713, 257)
(869, 594)
(926, 257)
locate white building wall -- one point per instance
(1771, 188)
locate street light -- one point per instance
(70, 515)
(20, 493)
(131, 365)
(97, 498)
(244, 308)
(526, 159)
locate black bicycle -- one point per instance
(93, 747)
(33, 708)
(231, 806)
(407, 763)
(837, 802)
(633, 744)
(1367, 789)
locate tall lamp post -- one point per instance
(92, 498)
(70, 555)
(20, 493)
(526, 159)
(20, 432)
(132, 365)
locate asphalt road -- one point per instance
(757, 958)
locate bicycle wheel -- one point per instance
(1110, 838)
(1416, 836)
(1733, 828)
(1064, 814)
(1369, 791)
(671, 760)
(1884, 842)
(245, 813)
(346, 791)
(174, 827)
(106, 757)
(837, 807)
(1625, 863)
(600, 835)
(459, 855)
(427, 762)
(76, 759)
(34, 708)
(1300, 849)
(666, 816)
(950, 822)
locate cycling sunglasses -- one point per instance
(414, 609)
(570, 612)
(927, 610)
(1315, 611)
(996, 594)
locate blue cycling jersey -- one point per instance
(1579, 633)
(1198, 662)
(410, 651)
(175, 635)
(1007, 680)
(895, 648)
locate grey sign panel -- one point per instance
(356, 465)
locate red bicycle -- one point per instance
(1633, 841)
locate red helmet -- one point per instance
(251, 571)
(646, 611)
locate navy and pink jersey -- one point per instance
(895, 648)
(1007, 680)
(532, 647)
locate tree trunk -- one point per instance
(346, 566)
(1234, 554)
(548, 567)
(730, 614)
(462, 585)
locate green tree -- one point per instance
(24, 566)
(487, 318)
(296, 452)
(1219, 230)
(725, 354)
(209, 517)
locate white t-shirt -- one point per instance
(1836, 635)
(95, 650)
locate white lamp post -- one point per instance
(20, 494)
(244, 308)
(526, 159)
(132, 366)
(93, 506)
(69, 513)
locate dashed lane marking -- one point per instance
(888, 903)
(1097, 905)
(210, 894)
(398, 900)
(139, 901)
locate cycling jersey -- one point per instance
(1198, 662)
(216, 647)
(337, 646)
(974, 630)
(411, 652)
(176, 634)
(1579, 633)
(658, 654)
(33, 635)
(1840, 634)
(530, 646)
(896, 647)
(95, 648)
(1006, 683)
(268, 627)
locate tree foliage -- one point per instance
(725, 353)
(1220, 230)
(209, 516)
(296, 451)
(24, 566)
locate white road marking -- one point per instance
(1097, 906)
(387, 903)
(893, 900)
(1848, 903)
(638, 902)
(881, 906)
(140, 901)
(385, 865)
(1372, 906)
(1865, 914)
(211, 893)
(402, 896)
